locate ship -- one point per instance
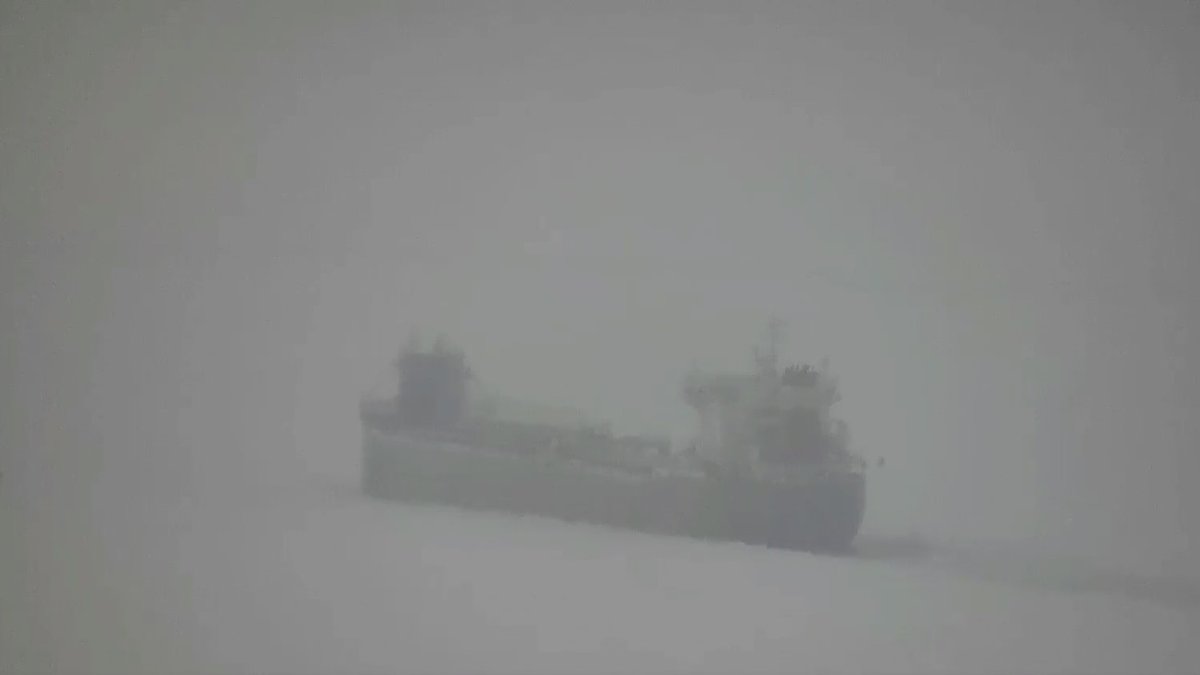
(769, 464)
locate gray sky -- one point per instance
(220, 220)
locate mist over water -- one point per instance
(220, 221)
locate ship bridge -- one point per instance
(766, 415)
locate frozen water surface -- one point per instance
(322, 581)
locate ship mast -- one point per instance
(766, 358)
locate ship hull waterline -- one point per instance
(820, 514)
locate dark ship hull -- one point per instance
(817, 510)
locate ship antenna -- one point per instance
(768, 357)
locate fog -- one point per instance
(221, 220)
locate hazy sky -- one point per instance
(219, 221)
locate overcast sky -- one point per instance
(219, 221)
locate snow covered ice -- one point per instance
(319, 580)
